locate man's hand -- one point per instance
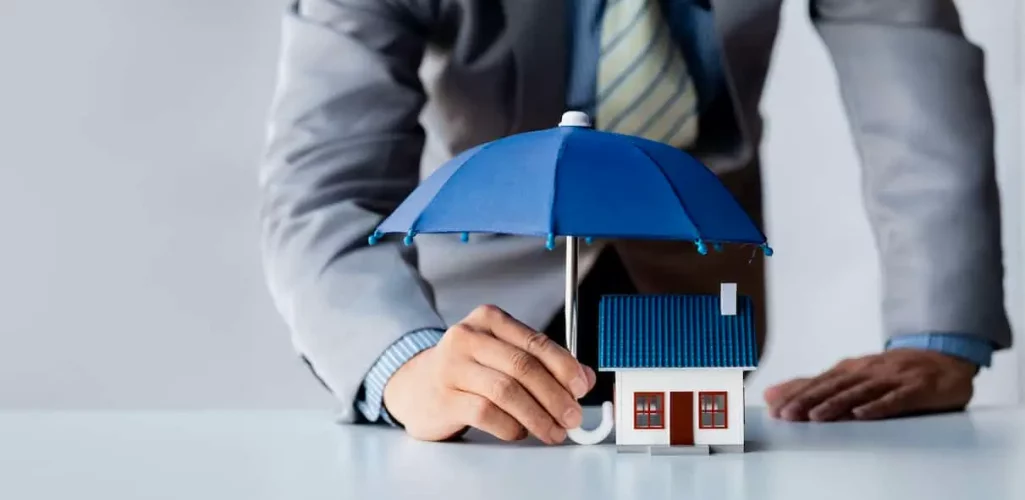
(494, 373)
(890, 384)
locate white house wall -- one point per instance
(666, 380)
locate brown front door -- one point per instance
(681, 418)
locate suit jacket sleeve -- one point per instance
(918, 106)
(344, 150)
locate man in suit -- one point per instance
(375, 94)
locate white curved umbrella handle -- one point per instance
(580, 436)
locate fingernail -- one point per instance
(558, 434)
(590, 375)
(579, 387)
(572, 418)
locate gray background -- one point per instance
(129, 272)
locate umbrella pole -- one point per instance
(572, 254)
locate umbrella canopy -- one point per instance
(572, 180)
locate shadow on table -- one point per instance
(940, 432)
(947, 431)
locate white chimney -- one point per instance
(728, 299)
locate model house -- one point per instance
(679, 362)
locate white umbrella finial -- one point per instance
(575, 119)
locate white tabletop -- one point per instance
(305, 456)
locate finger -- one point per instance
(786, 393)
(532, 375)
(477, 411)
(815, 393)
(507, 394)
(891, 404)
(840, 404)
(779, 395)
(558, 361)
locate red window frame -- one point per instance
(707, 406)
(649, 405)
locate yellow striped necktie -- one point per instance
(643, 86)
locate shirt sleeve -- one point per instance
(371, 404)
(970, 348)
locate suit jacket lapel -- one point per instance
(538, 38)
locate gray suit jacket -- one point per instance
(375, 94)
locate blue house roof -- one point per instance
(674, 331)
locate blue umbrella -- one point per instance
(575, 182)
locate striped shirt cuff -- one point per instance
(413, 343)
(973, 349)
